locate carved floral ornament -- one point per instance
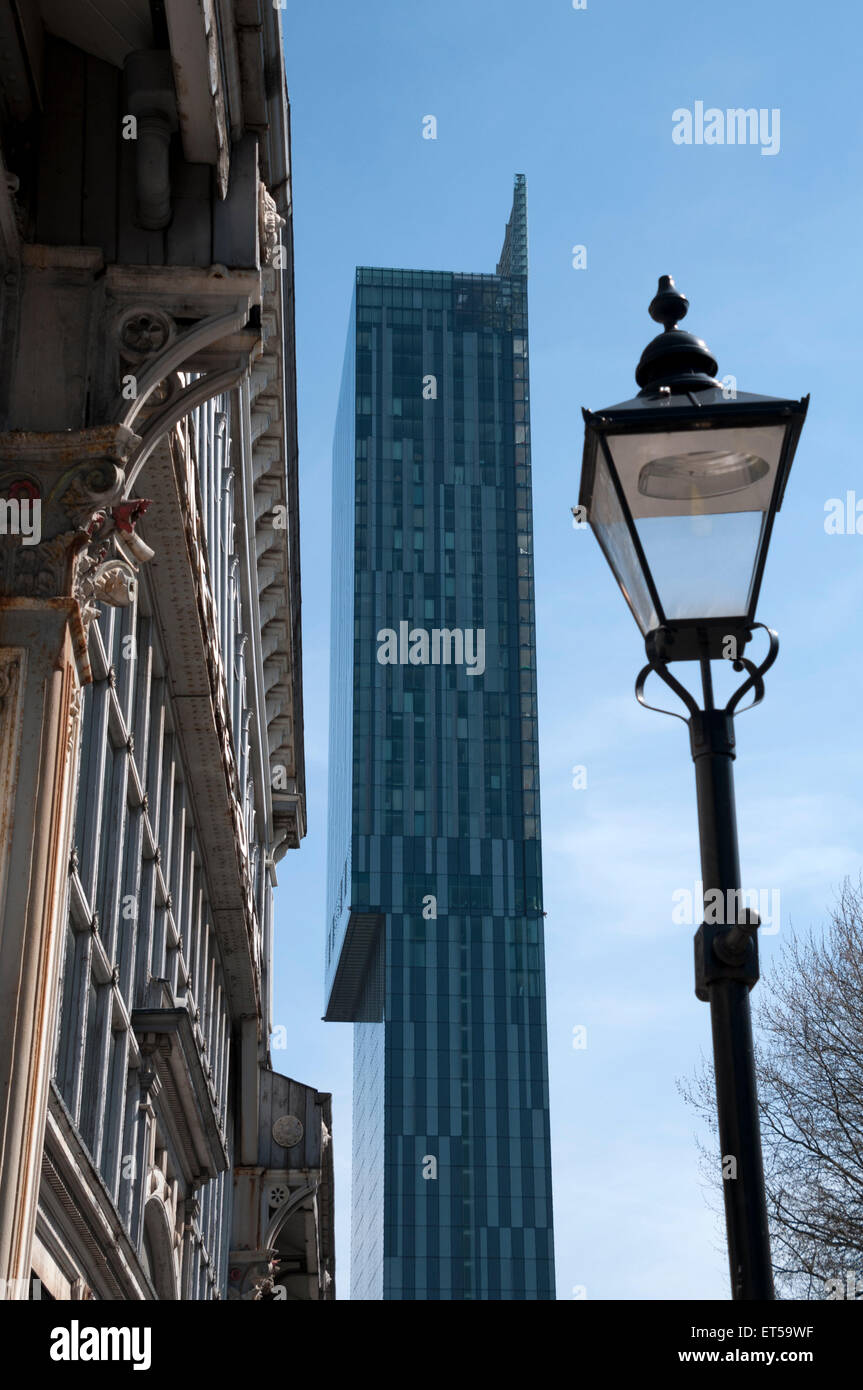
(143, 332)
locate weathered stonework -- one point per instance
(78, 479)
(150, 664)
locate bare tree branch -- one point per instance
(809, 1060)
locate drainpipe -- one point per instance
(152, 101)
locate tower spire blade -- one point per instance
(513, 256)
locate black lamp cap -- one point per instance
(675, 358)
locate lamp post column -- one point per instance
(726, 968)
(672, 481)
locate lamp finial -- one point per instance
(668, 306)
(675, 358)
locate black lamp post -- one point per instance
(681, 486)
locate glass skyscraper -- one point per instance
(435, 932)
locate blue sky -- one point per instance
(768, 250)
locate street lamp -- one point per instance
(681, 485)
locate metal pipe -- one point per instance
(152, 102)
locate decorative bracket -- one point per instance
(658, 663)
(723, 951)
(202, 322)
(77, 485)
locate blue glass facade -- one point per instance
(434, 936)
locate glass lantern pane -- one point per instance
(682, 472)
(702, 566)
(612, 532)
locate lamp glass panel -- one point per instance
(698, 472)
(702, 566)
(699, 499)
(612, 531)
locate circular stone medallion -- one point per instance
(288, 1131)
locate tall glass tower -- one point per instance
(435, 933)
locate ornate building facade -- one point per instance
(151, 729)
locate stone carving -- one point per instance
(144, 332)
(86, 493)
(39, 571)
(87, 527)
(264, 1289)
(270, 222)
(115, 583)
(288, 1131)
(74, 718)
(8, 672)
